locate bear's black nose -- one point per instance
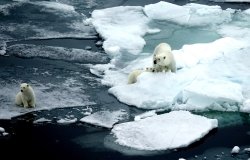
(21, 90)
(155, 62)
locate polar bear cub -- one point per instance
(132, 77)
(26, 96)
(163, 59)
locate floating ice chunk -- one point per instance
(191, 14)
(235, 150)
(182, 159)
(145, 115)
(2, 130)
(122, 28)
(67, 121)
(208, 92)
(105, 118)
(5, 133)
(167, 131)
(247, 149)
(42, 120)
(153, 31)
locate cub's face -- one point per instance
(161, 60)
(24, 87)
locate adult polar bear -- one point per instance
(26, 96)
(163, 59)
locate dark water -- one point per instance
(81, 141)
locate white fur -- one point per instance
(163, 59)
(26, 97)
(132, 78)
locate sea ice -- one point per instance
(235, 150)
(105, 118)
(122, 28)
(42, 120)
(191, 14)
(67, 121)
(2, 129)
(172, 130)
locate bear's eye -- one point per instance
(164, 57)
(159, 59)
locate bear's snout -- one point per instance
(21, 90)
(155, 61)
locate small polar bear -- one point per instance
(26, 96)
(163, 59)
(132, 77)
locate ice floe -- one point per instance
(122, 28)
(70, 93)
(172, 130)
(105, 118)
(210, 76)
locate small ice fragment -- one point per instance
(2, 130)
(235, 150)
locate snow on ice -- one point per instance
(165, 131)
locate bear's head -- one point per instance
(162, 60)
(24, 87)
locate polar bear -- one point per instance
(132, 77)
(163, 59)
(26, 96)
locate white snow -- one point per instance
(105, 118)
(191, 14)
(235, 150)
(122, 28)
(67, 121)
(172, 130)
(2, 129)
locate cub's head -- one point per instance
(162, 60)
(24, 87)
